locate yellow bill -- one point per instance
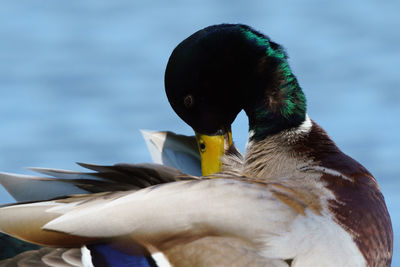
(212, 148)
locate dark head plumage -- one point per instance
(220, 70)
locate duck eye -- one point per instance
(188, 101)
(202, 146)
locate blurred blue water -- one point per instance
(78, 79)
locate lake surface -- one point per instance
(78, 79)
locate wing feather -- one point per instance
(219, 251)
(105, 178)
(177, 212)
(44, 257)
(174, 150)
(239, 212)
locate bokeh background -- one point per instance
(78, 79)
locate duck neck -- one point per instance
(276, 102)
(265, 121)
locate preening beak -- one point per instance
(212, 148)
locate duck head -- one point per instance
(220, 70)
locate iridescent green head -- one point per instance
(220, 70)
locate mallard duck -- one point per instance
(294, 199)
(244, 68)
